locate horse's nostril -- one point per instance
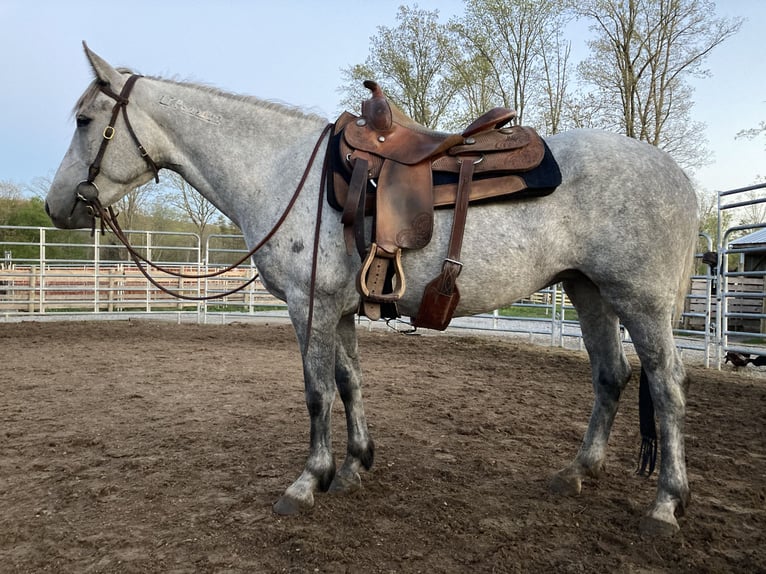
(47, 209)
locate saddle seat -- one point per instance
(389, 166)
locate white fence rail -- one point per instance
(60, 272)
(45, 271)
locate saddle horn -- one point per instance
(376, 110)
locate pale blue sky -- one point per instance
(288, 50)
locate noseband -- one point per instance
(87, 190)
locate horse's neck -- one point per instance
(237, 152)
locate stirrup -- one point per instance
(378, 260)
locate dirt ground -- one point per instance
(136, 446)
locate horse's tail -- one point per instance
(647, 456)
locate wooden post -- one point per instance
(32, 288)
(110, 297)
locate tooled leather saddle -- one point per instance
(387, 166)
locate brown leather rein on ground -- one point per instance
(88, 192)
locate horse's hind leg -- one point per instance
(348, 378)
(653, 340)
(610, 373)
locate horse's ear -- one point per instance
(101, 68)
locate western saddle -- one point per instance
(389, 167)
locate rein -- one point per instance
(88, 192)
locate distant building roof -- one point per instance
(751, 238)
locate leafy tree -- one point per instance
(9, 191)
(519, 47)
(409, 61)
(21, 214)
(472, 77)
(10, 200)
(642, 55)
(29, 213)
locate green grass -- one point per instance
(529, 312)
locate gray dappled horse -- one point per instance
(619, 233)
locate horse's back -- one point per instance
(617, 168)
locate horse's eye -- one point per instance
(82, 121)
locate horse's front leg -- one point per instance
(319, 381)
(348, 378)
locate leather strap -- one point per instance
(353, 211)
(121, 102)
(441, 296)
(452, 265)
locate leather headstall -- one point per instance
(87, 190)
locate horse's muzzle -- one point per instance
(78, 211)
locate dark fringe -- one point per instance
(647, 456)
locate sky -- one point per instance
(292, 51)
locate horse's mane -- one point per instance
(93, 90)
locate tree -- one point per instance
(187, 201)
(10, 198)
(507, 53)
(751, 134)
(134, 204)
(518, 45)
(555, 60)
(755, 212)
(409, 62)
(19, 215)
(642, 55)
(9, 191)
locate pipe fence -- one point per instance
(50, 272)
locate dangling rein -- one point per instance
(109, 219)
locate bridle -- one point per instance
(87, 192)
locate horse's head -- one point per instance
(107, 157)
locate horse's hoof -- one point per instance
(346, 484)
(656, 528)
(566, 483)
(289, 506)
